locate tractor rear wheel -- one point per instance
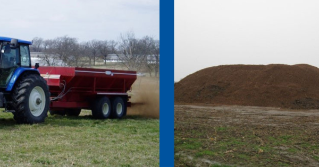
(118, 108)
(101, 109)
(30, 98)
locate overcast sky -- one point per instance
(82, 19)
(216, 32)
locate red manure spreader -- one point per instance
(103, 91)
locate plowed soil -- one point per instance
(276, 85)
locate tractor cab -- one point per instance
(14, 54)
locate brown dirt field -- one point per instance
(276, 85)
(245, 136)
(145, 97)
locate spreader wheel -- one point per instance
(101, 109)
(30, 99)
(118, 108)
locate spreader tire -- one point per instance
(101, 109)
(73, 112)
(30, 98)
(118, 108)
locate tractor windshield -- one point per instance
(9, 60)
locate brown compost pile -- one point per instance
(275, 85)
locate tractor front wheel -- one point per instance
(30, 99)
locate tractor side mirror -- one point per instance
(14, 43)
(36, 65)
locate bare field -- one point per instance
(245, 136)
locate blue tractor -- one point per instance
(22, 90)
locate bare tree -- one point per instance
(76, 55)
(129, 52)
(37, 45)
(60, 50)
(104, 50)
(156, 52)
(85, 50)
(133, 53)
(146, 45)
(48, 45)
(49, 56)
(113, 45)
(65, 47)
(93, 47)
(50, 60)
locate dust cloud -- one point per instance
(145, 97)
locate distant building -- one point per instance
(112, 58)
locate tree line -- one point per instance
(133, 53)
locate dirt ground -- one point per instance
(245, 136)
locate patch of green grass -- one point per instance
(221, 129)
(217, 165)
(292, 150)
(191, 144)
(283, 164)
(310, 146)
(205, 152)
(231, 142)
(44, 161)
(243, 156)
(125, 165)
(285, 139)
(265, 148)
(80, 141)
(281, 140)
(315, 157)
(196, 133)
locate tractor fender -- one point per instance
(15, 76)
